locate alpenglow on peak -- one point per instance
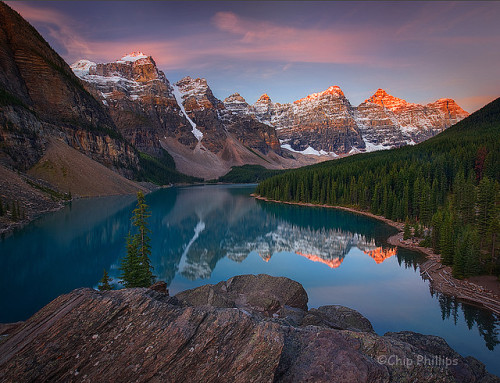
(134, 56)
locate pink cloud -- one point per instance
(268, 41)
(58, 29)
(65, 31)
(241, 39)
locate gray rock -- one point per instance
(160, 287)
(256, 293)
(338, 317)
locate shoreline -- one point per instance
(8, 227)
(439, 276)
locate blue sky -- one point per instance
(419, 51)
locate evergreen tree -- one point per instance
(136, 267)
(407, 229)
(436, 223)
(13, 211)
(493, 237)
(417, 230)
(130, 265)
(447, 240)
(104, 282)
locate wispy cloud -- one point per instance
(59, 27)
(230, 38)
(67, 32)
(267, 41)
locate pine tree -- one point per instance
(447, 240)
(136, 267)
(437, 222)
(407, 229)
(130, 265)
(416, 230)
(493, 237)
(104, 282)
(13, 211)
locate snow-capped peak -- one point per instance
(81, 67)
(333, 90)
(134, 56)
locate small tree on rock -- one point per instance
(104, 284)
(136, 267)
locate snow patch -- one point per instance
(371, 147)
(309, 150)
(134, 56)
(81, 68)
(178, 96)
(200, 226)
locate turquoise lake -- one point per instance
(205, 234)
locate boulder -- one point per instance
(338, 317)
(256, 293)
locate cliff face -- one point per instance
(42, 98)
(251, 328)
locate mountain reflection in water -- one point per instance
(223, 224)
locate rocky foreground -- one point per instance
(247, 329)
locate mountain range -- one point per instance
(99, 128)
(204, 134)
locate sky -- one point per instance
(418, 51)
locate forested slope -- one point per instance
(450, 184)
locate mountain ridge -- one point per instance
(326, 123)
(194, 127)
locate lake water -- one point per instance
(206, 234)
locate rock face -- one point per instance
(41, 98)
(262, 293)
(247, 329)
(219, 124)
(326, 123)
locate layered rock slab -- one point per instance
(145, 335)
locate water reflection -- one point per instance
(486, 322)
(226, 224)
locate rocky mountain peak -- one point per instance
(382, 98)
(236, 103)
(197, 95)
(235, 97)
(134, 56)
(82, 67)
(264, 98)
(334, 91)
(449, 110)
